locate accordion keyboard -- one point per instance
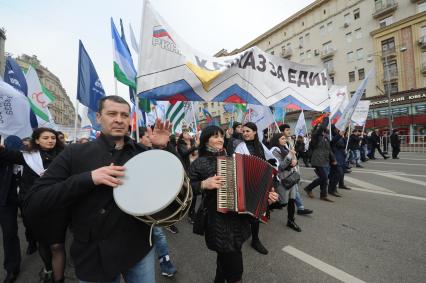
(227, 199)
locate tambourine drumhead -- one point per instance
(152, 181)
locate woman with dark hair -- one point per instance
(49, 231)
(252, 146)
(185, 147)
(225, 232)
(287, 162)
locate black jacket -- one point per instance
(395, 141)
(106, 240)
(354, 142)
(322, 154)
(226, 232)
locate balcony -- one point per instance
(422, 41)
(286, 53)
(331, 71)
(328, 53)
(388, 54)
(393, 75)
(384, 7)
(423, 69)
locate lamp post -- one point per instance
(387, 82)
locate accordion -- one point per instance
(248, 181)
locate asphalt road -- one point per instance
(375, 233)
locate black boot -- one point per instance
(257, 245)
(293, 225)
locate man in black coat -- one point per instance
(395, 143)
(375, 144)
(9, 178)
(107, 242)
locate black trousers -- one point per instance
(229, 267)
(11, 246)
(336, 174)
(395, 151)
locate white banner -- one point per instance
(14, 112)
(361, 112)
(169, 69)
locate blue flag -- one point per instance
(89, 87)
(14, 76)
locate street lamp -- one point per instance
(387, 81)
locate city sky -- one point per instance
(51, 29)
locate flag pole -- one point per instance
(137, 117)
(193, 116)
(76, 120)
(348, 133)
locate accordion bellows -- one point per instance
(248, 181)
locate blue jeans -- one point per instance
(322, 180)
(160, 242)
(143, 271)
(298, 200)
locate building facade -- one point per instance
(61, 108)
(2, 51)
(350, 37)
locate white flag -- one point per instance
(14, 112)
(260, 115)
(339, 98)
(38, 96)
(135, 44)
(359, 117)
(300, 129)
(350, 108)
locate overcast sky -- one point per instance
(51, 29)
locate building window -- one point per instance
(424, 81)
(349, 37)
(386, 21)
(347, 18)
(329, 65)
(423, 31)
(303, 24)
(359, 54)
(357, 14)
(330, 27)
(302, 56)
(325, 12)
(326, 47)
(308, 54)
(424, 57)
(272, 52)
(391, 70)
(421, 7)
(358, 33)
(332, 79)
(322, 30)
(361, 74)
(351, 76)
(388, 46)
(393, 86)
(301, 42)
(307, 38)
(350, 56)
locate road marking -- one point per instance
(409, 180)
(322, 266)
(367, 185)
(390, 194)
(369, 171)
(393, 163)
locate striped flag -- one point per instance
(38, 95)
(124, 70)
(175, 113)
